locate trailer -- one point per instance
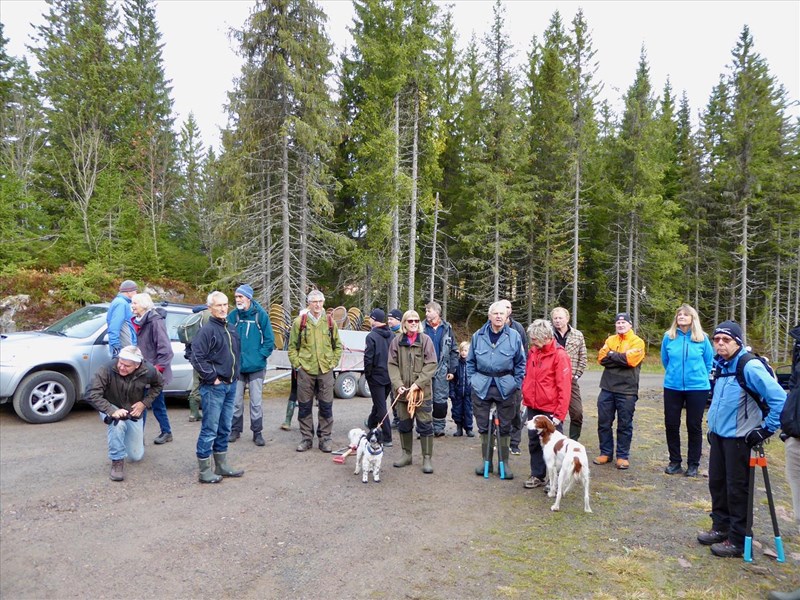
(349, 373)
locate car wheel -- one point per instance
(44, 397)
(363, 387)
(346, 385)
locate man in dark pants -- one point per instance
(735, 424)
(376, 370)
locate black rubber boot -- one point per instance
(484, 444)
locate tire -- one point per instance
(346, 385)
(363, 387)
(44, 397)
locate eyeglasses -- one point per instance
(722, 339)
(412, 320)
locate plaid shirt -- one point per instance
(576, 348)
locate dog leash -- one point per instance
(394, 402)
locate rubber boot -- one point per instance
(287, 423)
(459, 431)
(574, 431)
(427, 450)
(194, 409)
(505, 471)
(206, 473)
(406, 440)
(479, 471)
(223, 468)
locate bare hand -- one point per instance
(120, 413)
(137, 409)
(450, 377)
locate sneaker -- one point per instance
(602, 460)
(388, 444)
(533, 482)
(691, 471)
(304, 445)
(258, 439)
(233, 436)
(117, 470)
(727, 549)
(326, 445)
(163, 438)
(674, 468)
(623, 463)
(515, 450)
(286, 426)
(712, 536)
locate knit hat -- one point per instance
(732, 329)
(131, 353)
(245, 290)
(396, 314)
(378, 315)
(128, 286)
(624, 317)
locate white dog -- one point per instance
(566, 461)
(369, 454)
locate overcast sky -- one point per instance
(688, 41)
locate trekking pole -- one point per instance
(748, 532)
(487, 458)
(501, 465)
(761, 460)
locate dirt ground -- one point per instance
(300, 526)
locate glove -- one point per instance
(758, 435)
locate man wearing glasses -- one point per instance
(735, 424)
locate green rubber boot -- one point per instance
(427, 451)
(484, 444)
(287, 423)
(222, 466)
(574, 431)
(206, 472)
(505, 472)
(194, 409)
(406, 440)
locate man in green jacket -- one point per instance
(314, 351)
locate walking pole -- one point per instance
(761, 460)
(500, 463)
(748, 532)
(487, 458)
(778, 541)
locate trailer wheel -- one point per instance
(363, 387)
(346, 385)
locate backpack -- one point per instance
(303, 324)
(790, 415)
(188, 328)
(745, 358)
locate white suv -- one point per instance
(44, 372)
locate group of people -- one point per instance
(418, 366)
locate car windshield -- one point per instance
(80, 324)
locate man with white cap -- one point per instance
(118, 319)
(122, 390)
(621, 357)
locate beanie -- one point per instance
(245, 290)
(395, 313)
(624, 317)
(378, 315)
(732, 329)
(128, 286)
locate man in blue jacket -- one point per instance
(255, 332)
(118, 319)
(735, 425)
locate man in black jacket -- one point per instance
(121, 391)
(215, 357)
(376, 358)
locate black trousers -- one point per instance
(482, 409)
(695, 404)
(538, 466)
(728, 475)
(379, 393)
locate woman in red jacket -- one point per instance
(546, 390)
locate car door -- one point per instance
(181, 383)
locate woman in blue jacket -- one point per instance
(686, 354)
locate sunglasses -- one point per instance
(412, 320)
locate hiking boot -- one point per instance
(388, 444)
(674, 468)
(602, 460)
(515, 450)
(712, 536)
(304, 445)
(163, 438)
(326, 445)
(233, 436)
(533, 482)
(258, 439)
(117, 470)
(691, 471)
(623, 463)
(727, 549)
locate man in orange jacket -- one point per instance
(621, 355)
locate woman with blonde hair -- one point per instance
(686, 354)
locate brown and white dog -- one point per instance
(566, 461)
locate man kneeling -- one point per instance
(122, 390)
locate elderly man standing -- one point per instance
(496, 368)
(118, 319)
(572, 341)
(444, 343)
(252, 324)
(121, 391)
(622, 356)
(314, 351)
(215, 357)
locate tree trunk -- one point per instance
(395, 258)
(286, 293)
(412, 233)
(431, 294)
(303, 276)
(576, 224)
(743, 274)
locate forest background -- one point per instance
(401, 170)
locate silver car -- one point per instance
(44, 372)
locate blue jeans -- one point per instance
(125, 440)
(609, 405)
(159, 409)
(217, 404)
